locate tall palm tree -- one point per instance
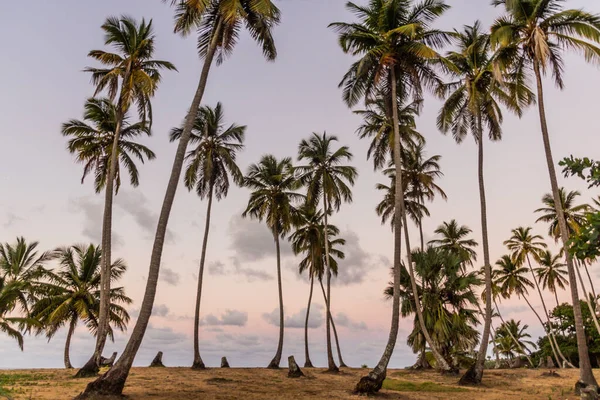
(209, 165)
(72, 294)
(454, 238)
(551, 273)
(395, 45)
(473, 105)
(507, 333)
(524, 245)
(215, 21)
(273, 200)
(531, 36)
(327, 178)
(574, 213)
(92, 141)
(131, 77)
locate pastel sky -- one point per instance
(42, 86)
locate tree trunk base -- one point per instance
(343, 365)
(108, 362)
(308, 364)
(587, 392)
(157, 362)
(472, 377)
(274, 364)
(294, 370)
(421, 363)
(224, 363)
(198, 365)
(88, 370)
(333, 370)
(109, 386)
(370, 384)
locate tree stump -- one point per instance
(108, 362)
(294, 369)
(224, 363)
(550, 362)
(586, 392)
(157, 362)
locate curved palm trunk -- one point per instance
(308, 363)
(112, 382)
(550, 336)
(521, 349)
(335, 335)
(198, 363)
(585, 367)
(93, 365)
(587, 301)
(591, 283)
(550, 331)
(274, 364)
(331, 367)
(475, 373)
(67, 357)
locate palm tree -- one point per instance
(453, 238)
(272, 199)
(21, 264)
(209, 166)
(214, 21)
(574, 214)
(10, 295)
(523, 244)
(92, 141)
(531, 36)
(326, 176)
(551, 273)
(472, 105)
(394, 43)
(73, 294)
(131, 76)
(507, 333)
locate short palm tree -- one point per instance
(92, 141)
(326, 178)
(217, 23)
(395, 45)
(552, 273)
(273, 199)
(130, 76)
(456, 239)
(10, 295)
(209, 166)
(72, 294)
(531, 36)
(472, 105)
(506, 335)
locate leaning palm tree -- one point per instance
(395, 45)
(551, 273)
(209, 166)
(524, 245)
(455, 238)
(507, 333)
(72, 294)
(131, 77)
(273, 200)
(472, 105)
(216, 22)
(327, 178)
(531, 36)
(92, 139)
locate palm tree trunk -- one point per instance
(475, 373)
(585, 367)
(591, 283)
(550, 330)
(556, 297)
(512, 336)
(198, 363)
(274, 364)
(68, 343)
(421, 234)
(308, 363)
(587, 300)
(550, 336)
(331, 367)
(113, 381)
(335, 335)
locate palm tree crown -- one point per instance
(510, 277)
(574, 214)
(522, 244)
(454, 238)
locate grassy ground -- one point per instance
(252, 384)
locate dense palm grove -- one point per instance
(399, 55)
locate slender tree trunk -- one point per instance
(591, 283)
(198, 363)
(550, 337)
(556, 297)
(585, 367)
(550, 331)
(421, 234)
(331, 367)
(475, 373)
(274, 364)
(112, 382)
(511, 335)
(72, 326)
(308, 363)
(587, 301)
(335, 335)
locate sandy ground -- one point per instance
(183, 383)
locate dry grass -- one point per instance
(249, 383)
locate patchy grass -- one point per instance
(406, 386)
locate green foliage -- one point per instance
(432, 387)
(504, 342)
(585, 168)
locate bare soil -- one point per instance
(255, 383)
